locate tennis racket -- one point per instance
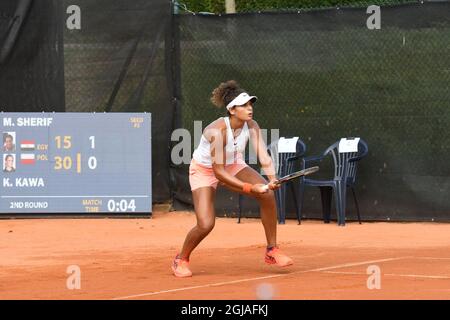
(294, 175)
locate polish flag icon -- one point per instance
(27, 145)
(27, 158)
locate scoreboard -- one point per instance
(87, 163)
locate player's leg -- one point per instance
(204, 211)
(267, 204)
(268, 216)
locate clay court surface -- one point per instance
(130, 259)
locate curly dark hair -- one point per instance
(225, 93)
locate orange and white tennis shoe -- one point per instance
(180, 267)
(275, 256)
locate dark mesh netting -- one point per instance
(31, 56)
(319, 74)
(120, 62)
(323, 75)
(118, 59)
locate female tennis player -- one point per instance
(219, 159)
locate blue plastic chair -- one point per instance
(284, 163)
(345, 168)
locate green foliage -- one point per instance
(218, 6)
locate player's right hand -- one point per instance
(260, 188)
(273, 186)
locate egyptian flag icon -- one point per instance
(27, 145)
(27, 158)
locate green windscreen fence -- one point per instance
(319, 74)
(323, 75)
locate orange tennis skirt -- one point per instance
(201, 176)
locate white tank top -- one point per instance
(234, 149)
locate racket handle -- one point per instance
(266, 188)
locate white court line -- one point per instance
(346, 272)
(431, 258)
(391, 274)
(354, 264)
(416, 276)
(259, 278)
